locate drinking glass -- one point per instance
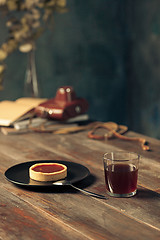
(121, 173)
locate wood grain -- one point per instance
(63, 213)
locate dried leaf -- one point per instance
(15, 27)
(22, 33)
(41, 5)
(31, 3)
(24, 20)
(61, 3)
(47, 15)
(36, 24)
(3, 54)
(29, 18)
(51, 3)
(12, 5)
(10, 46)
(11, 21)
(26, 47)
(36, 14)
(2, 68)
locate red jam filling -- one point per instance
(48, 168)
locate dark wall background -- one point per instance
(109, 51)
(143, 23)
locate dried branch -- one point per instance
(26, 22)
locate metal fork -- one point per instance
(68, 183)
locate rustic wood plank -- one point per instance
(86, 156)
(126, 205)
(81, 218)
(143, 207)
(140, 211)
(90, 150)
(20, 220)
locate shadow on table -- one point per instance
(88, 181)
(146, 194)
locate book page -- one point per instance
(32, 102)
(11, 111)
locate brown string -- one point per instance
(117, 134)
(114, 130)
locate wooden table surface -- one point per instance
(64, 213)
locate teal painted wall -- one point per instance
(143, 74)
(109, 51)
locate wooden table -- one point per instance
(64, 213)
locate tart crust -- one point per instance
(38, 172)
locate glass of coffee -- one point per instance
(121, 173)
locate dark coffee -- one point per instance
(121, 178)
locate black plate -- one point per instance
(19, 174)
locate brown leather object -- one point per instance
(65, 105)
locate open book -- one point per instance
(14, 111)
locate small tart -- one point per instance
(46, 172)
